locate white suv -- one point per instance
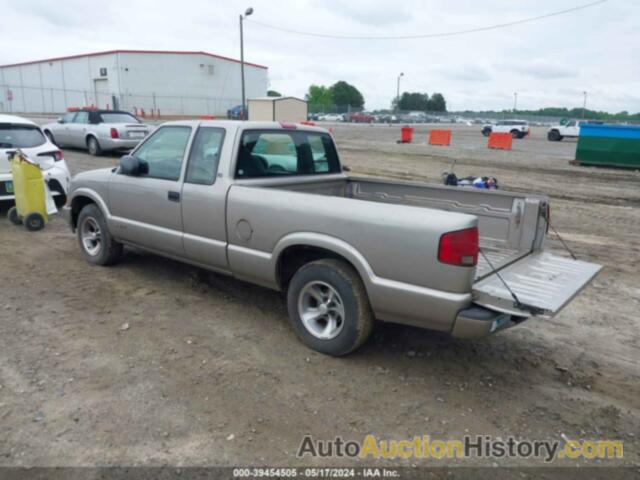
(517, 128)
(20, 133)
(571, 129)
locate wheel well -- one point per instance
(77, 204)
(295, 256)
(90, 135)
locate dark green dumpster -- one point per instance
(609, 145)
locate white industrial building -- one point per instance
(171, 82)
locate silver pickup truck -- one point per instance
(269, 203)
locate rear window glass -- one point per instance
(118, 118)
(280, 153)
(20, 136)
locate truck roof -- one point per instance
(247, 125)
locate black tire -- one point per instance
(12, 216)
(554, 136)
(358, 320)
(109, 251)
(486, 131)
(34, 222)
(94, 146)
(50, 137)
(516, 134)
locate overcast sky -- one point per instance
(549, 62)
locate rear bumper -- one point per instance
(478, 322)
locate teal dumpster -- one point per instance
(609, 145)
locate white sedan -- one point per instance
(20, 133)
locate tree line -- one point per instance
(343, 96)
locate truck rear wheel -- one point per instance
(96, 243)
(329, 308)
(517, 134)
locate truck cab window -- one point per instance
(163, 152)
(278, 153)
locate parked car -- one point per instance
(571, 129)
(237, 113)
(97, 130)
(20, 133)
(359, 117)
(517, 128)
(333, 117)
(270, 204)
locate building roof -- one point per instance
(109, 52)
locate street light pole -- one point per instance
(398, 92)
(515, 101)
(247, 12)
(584, 104)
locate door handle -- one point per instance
(173, 196)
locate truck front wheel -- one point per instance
(554, 136)
(329, 308)
(96, 243)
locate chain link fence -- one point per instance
(38, 100)
(344, 113)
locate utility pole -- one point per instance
(247, 12)
(584, 104)
(398, 92)
(515, 101)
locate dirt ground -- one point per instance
(210, 373)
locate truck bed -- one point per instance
(508, 222)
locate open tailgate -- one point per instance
(544, 284)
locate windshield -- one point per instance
(118, 118)
(20, 136)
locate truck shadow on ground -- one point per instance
(388, 340)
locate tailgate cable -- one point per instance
(516, 301)
(563, 242)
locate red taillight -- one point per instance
(114, 133)
(291, 126)
(460, 247)
(56, 154)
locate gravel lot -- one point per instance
(210, 373)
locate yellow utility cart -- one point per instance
(30, 193)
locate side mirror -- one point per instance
(345, 168)
(59, 120)
(132, 166)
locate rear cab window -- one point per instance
(20, 136)
(276, 153)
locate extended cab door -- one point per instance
(146, 209)
(204, 199)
